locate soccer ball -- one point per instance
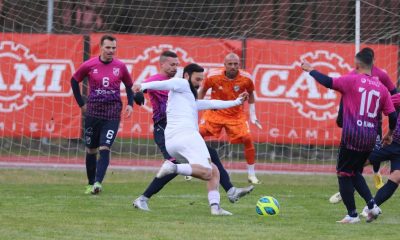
(267, 206)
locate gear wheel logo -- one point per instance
(23, 77)
(290, 84)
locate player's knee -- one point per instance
(104, 148)
(344, 174)
(395, 176)
(91, 150)
(247, 140)
(207, 174)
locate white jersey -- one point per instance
(182, 107)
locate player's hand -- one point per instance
(128, 111)
(138, 97)
(83, 109)
(256, 122)
(243, 97)
(387, 139)
(306, 66)
(136, 87)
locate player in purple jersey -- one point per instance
(103, 107)
(364, 98)
(387, 153)
(385, 80)
(158, 98)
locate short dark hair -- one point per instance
(107, 37)
(368, 50)
(365, 57)
(168, 54)
(191, 68)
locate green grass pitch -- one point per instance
(50, 204)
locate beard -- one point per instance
(231, 74)
(193, 88)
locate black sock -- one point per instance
(376, 166)
(102, 165)
(385, 192)
(362, 188)
(91, 160)
(224, 178)
(157, 184)
(346, 189)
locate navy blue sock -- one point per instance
(224, 178)
(157, 184)
(346, 189)
(91, 160)
(362, 188)
(385, 192)
(102, 165)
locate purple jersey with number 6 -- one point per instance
(105, 79)
(364, 99)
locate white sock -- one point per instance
(250, 170)
(184, 169)
(214, 198)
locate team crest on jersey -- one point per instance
(116, 71)
(236, 88)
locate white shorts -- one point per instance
(189, 147)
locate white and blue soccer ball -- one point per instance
(267, 206)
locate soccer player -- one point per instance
(158, 98)
(364, 98)
(226, 84)
(391, 153)
(103, 107)
(182, 138)
(387, 82)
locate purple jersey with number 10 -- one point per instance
(105, 79)
(364, 98)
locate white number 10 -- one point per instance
(371, 94)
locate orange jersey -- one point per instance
(223, 88)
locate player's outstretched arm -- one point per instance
(220, 104)
(171, 84)
(321, 78)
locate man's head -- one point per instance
(368, 50)
(364, 61)
(194, 73)
(169, 63)
(108, 46)
(231, 63)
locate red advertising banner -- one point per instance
(291, 105)
(35, 91)
(141, 54)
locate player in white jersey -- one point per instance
(182, 138)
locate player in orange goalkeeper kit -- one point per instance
(226, 84)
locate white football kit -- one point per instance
(182, 138)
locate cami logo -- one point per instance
(290, 84)
(23, 76)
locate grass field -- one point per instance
(50, 204)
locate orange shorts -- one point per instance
(234, 129)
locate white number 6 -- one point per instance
(106, 81)
(110, 134)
